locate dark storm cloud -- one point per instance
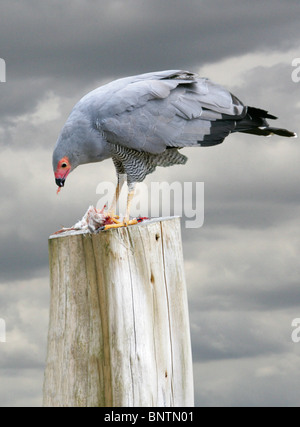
(30, 263)
(279, 295)
(230, 335)
(18, 96)
(93, 39)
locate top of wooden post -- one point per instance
(88, 232)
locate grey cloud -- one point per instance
(128, 36)
(234, 335)
(24, 307)
(282, 295)
(19, 96)
(263, 381)
(22, 388)
(30, 257)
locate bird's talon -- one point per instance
(118, 224)
(109, 226)
(115, 220)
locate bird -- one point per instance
(142, 122)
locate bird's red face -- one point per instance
(62, 171)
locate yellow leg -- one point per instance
(112, 209)
(120, 224)
(131, 190)
(126, 220)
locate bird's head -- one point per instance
(67, 153)
(78, 143)
(61, 172)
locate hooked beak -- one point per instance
(60, 177)
(60, 182)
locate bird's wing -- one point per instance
(169, 109)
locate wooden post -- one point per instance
(119, 325)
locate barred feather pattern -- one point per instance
(138, 164)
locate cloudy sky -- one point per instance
(242, 266)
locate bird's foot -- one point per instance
(119, 224)
(111, 213)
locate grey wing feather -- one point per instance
(168, 109)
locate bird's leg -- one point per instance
(126, 221)
(131, 191)
(121, 180)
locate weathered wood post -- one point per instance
(119, 325)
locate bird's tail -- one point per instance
(255, 123)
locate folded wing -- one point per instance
(169, 109)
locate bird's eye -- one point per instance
(64, 165)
